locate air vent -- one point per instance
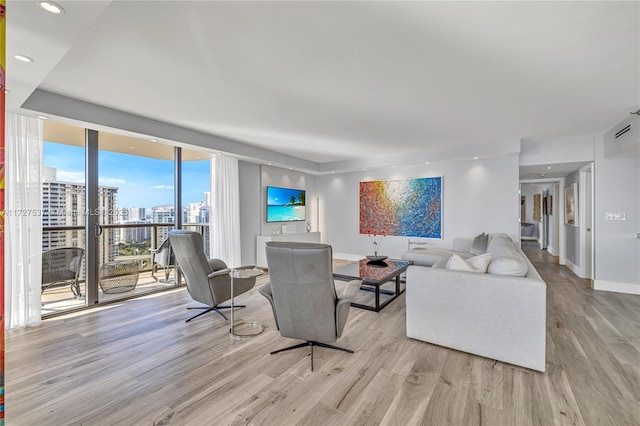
(621, 132)
(624, 139)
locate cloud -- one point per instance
(67, 176)
(111, 181)
(163, 187)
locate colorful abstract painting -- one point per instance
(409, 208)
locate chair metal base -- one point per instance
(312, 344)
(213, 308)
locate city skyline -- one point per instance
(141, 181)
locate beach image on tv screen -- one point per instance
(285, 204)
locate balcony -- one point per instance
(111, 249)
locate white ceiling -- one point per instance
(336, 81)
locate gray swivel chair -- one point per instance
(303, 295)
(208, 281)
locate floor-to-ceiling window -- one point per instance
(133, 210)
(63, 222)
(136, 198)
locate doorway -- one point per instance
(549, 233)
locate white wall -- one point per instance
(478, 196)
(556, 151)
(284, 178)
(617, 190)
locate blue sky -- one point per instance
(281, 196)
(141, 181)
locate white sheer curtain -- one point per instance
(225, 213)
(23, 222)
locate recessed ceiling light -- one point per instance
(548, 167)
(290, 168)
(42, 117)
(393, 166)
(269, 164)
(51, 6)
(23, 58)
(130, 147)
(475, 158)
(333, 173)
(426, 162)
(364, 170)
(153, 140)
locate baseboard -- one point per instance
(618, 287)
(552, 251)
(575, 269)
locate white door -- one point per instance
(586, 182)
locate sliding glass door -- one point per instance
(63, 224)
(136, 198)
(113, 199)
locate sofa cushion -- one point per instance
(441, 264)
(473, 264)
(500, 244)
(514, 266)
(429, 256)
(479, 244)
(506, 258)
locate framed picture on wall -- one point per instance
(407, 208)
(571, 204)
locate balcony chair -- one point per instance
(119, 276)
(303, 295)
(208, 281)
(164, 258)
(62, 266)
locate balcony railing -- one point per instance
(112, 246)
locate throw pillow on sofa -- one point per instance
(479, 244)
(478, 263)
(514, 266)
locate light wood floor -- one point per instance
(139, 363)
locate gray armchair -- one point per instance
(303, 295)
(208, 281)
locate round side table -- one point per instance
(242, 329)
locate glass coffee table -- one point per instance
(374, 275)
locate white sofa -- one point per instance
(502, 317)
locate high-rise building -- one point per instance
(64, 204)
(136, 213)
(163, 214)
(129, 216)
(193, 212)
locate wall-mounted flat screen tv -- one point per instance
(285, 204)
